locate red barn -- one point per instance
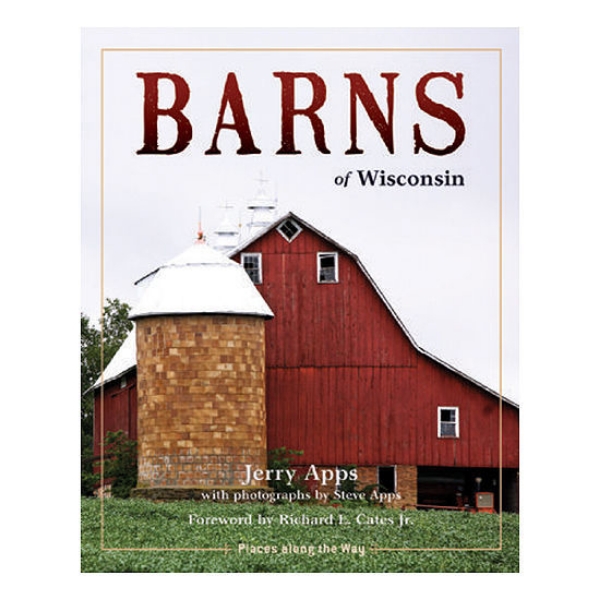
(348, 386)
(117, 390)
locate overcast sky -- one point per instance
(434, 252)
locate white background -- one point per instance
(41, 300)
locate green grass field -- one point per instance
(176, 537)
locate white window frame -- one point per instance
(456, 422)
(260, 271)
(284, 235)
(321, 255)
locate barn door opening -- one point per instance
(454, 487)
(386, 478)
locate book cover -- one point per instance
(302, 247)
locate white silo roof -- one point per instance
(201, 280)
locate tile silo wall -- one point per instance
(201, 400)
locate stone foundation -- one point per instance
(221, 494)
(406, 484)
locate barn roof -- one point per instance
(123, 361)
(305, 224)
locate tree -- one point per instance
(113, 328)
(116, 326)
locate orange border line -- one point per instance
(102, 175)
(291, 49)
(225, 549)
(283, 50)
(500, 288)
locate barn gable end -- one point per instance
(346, 383)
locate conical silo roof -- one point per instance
(201, 280)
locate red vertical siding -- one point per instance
(346, 385)
(329, 324)
(120, 410)
(479, 441)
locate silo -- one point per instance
(200, 375)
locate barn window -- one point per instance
(252, 263)
(123, 382)
(327, 267)
(386, 478)
(448, 426)
(289, 229)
